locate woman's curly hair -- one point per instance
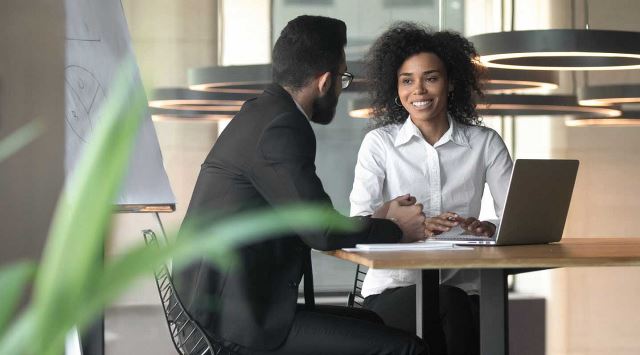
(405, 39)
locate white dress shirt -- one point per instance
(449, 176)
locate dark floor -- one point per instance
(139, 330)
(142, 330)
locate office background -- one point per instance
(589, 311)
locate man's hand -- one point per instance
(442, 223)
(382, 211)
(407, 214)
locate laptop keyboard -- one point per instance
(461, 238)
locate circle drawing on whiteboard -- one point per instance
(84, 94)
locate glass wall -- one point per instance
(366, 19)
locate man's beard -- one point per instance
(324, 107)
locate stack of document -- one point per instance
(428, 245)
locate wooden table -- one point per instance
(494, 264)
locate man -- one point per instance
(265, 157)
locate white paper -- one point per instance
(428, 245)
(97, 41)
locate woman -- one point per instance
(428, 142)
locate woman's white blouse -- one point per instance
(449, 176)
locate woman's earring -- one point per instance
(397, 101)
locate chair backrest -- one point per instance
(355, 296)
(187, 336)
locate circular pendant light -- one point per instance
(627, 119)
(507, 81)
(240, 79)
(184, 104)
(360, 108)
(513, 105)
(559, 49)
(609, 94)
(540, 105)
(189, 100)
(252, 79)
(161, 115)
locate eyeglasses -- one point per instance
(345, 79)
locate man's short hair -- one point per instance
(307, 46)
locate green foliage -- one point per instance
(13, 279)
(20, 138)
(73, 285)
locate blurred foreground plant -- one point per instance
(72, 284)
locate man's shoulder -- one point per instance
(288, 135)
(293, 119)
(266, 109)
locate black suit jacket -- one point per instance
(264, 157)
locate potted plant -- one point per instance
(71, 283)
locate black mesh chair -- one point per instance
(355, 298)
(186, 335)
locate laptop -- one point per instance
(536, 207)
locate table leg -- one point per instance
(428, 325)
(92, 340)
(494, 315)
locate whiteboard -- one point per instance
(97, 41)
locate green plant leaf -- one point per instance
(13, 280)
(20, 336)
(20, 138)
(74, 250)
(217, 243)
(249, 227)
(72, 284)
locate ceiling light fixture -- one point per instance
(179, 103)
(560, 49)
(507, 81)
(609, 95)
(239, 79)
(627, 119)
(360, 108)
(513, 105)
(162, 115)
(189, 100)
(252, 79)
(540, 105)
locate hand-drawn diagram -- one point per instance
(98, 45)
(84, 96)
(83, 21)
